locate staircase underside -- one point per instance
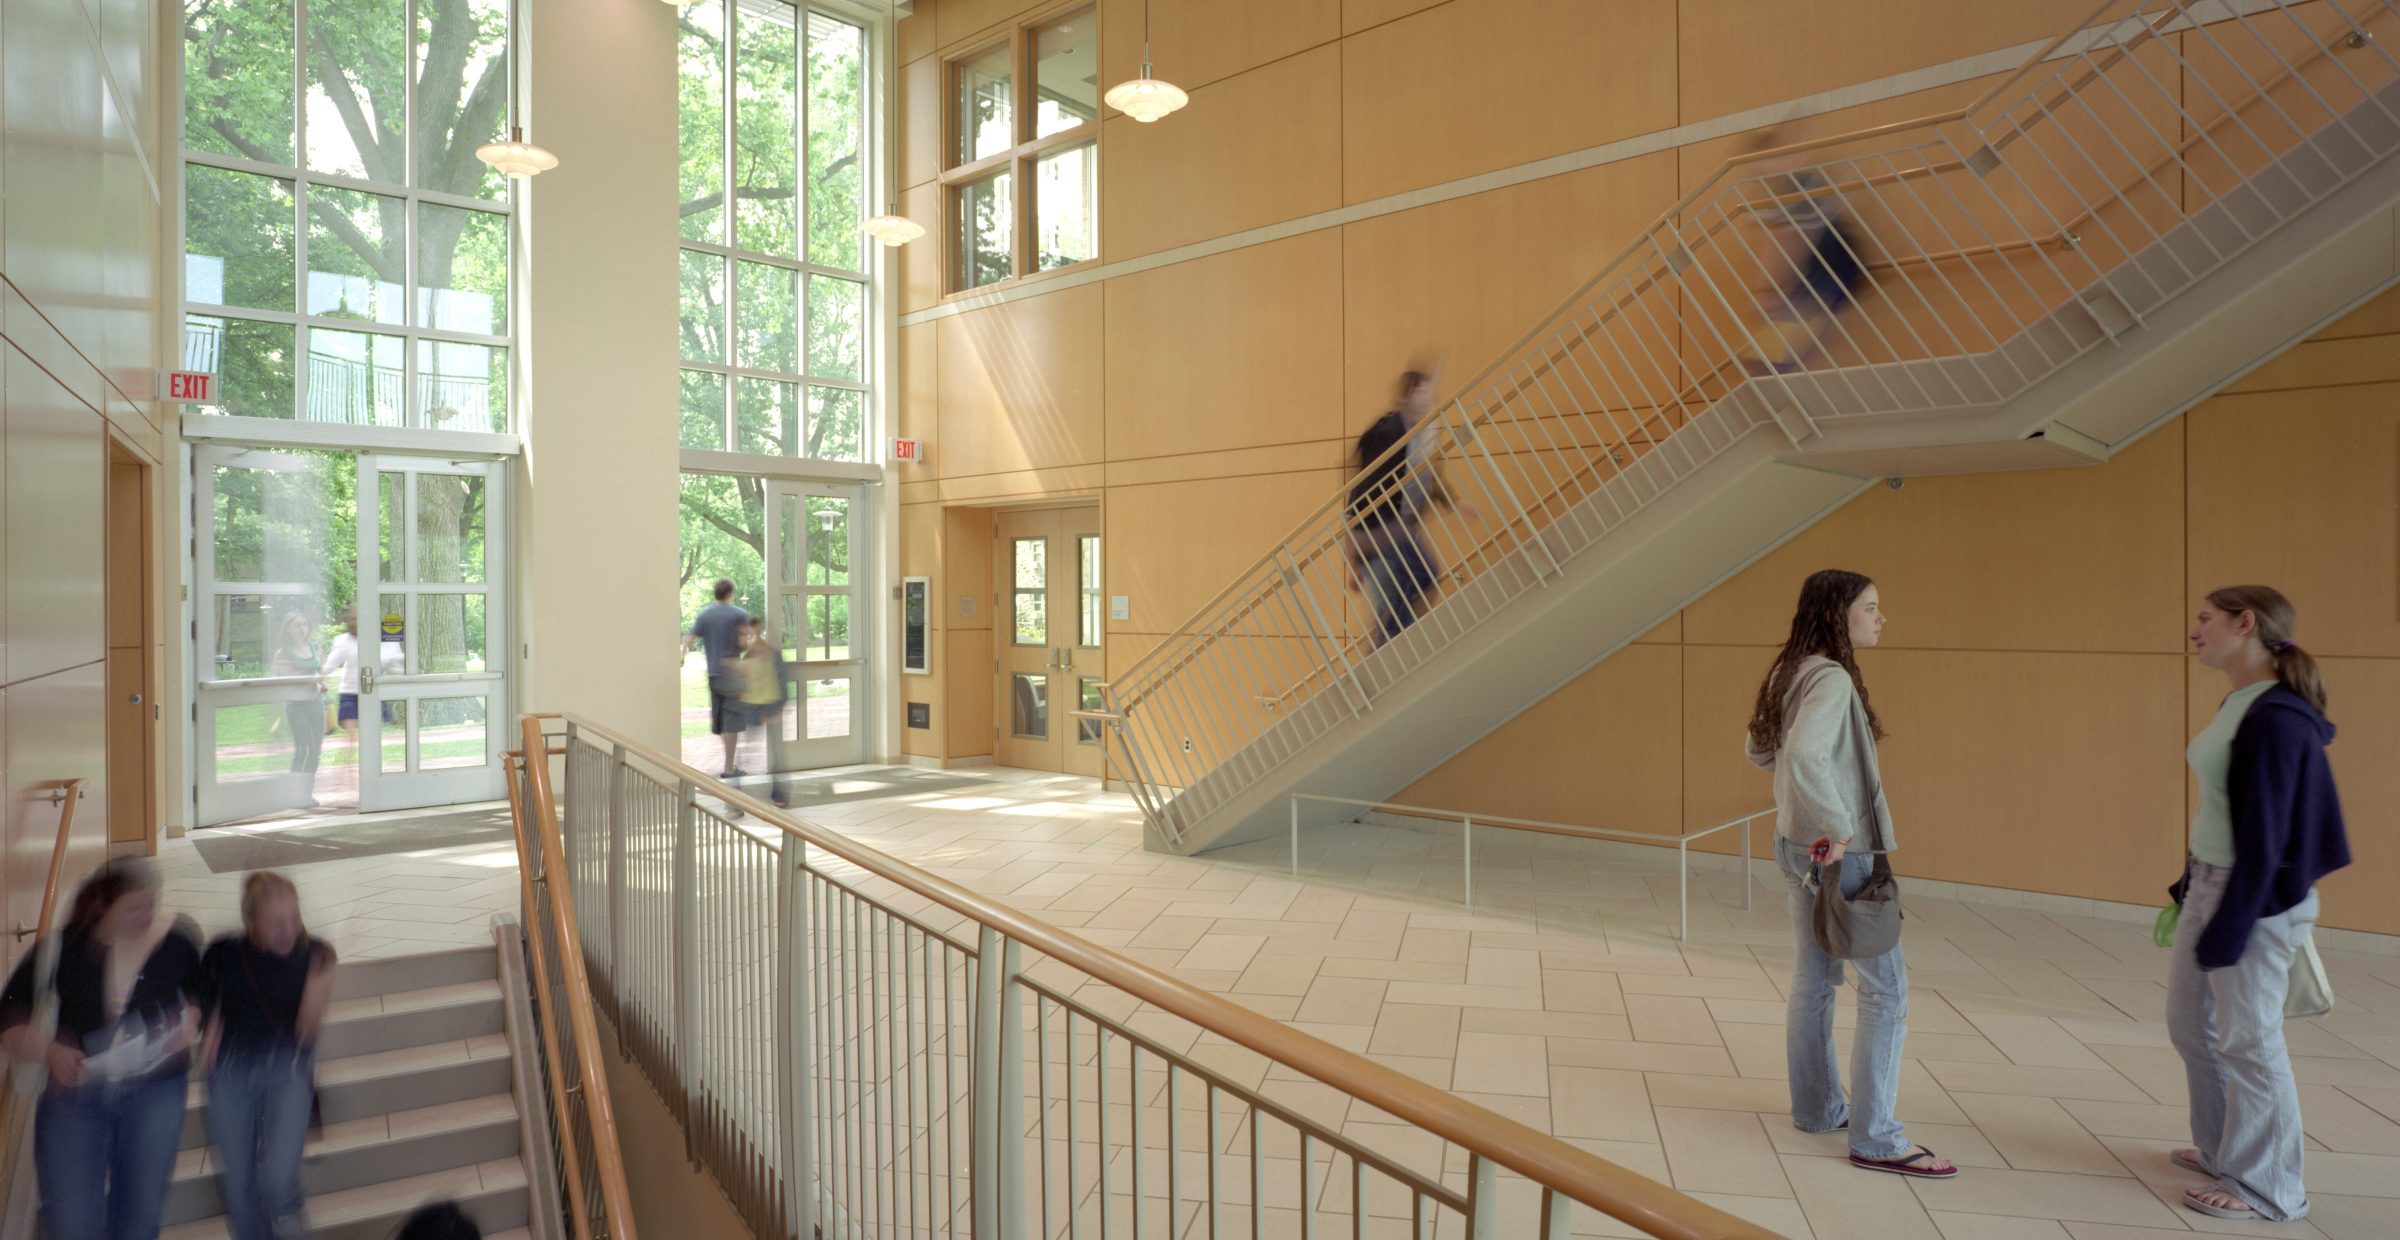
(1804, 446)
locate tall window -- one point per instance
(1024, 145)
(345, 254)
(774, 310)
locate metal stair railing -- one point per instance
(2131, 157)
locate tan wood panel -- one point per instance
(967, 535)
(919, 32)
(1603, 751)
(2034, 772)
(1239, 350)
(129, 732)
(1020, 384)
(920, 261)
(55, 729)
(920, 126)
(2296, 490)
(1251, 150)
(966, 19)
(916, 405)
(1168, 573)
(1739, 54)
(1518, 80)
(2380, 316)
(127, 561)
(1669, 632)
(2363, 700)
(1196, 42)
(1469, 276)
(1272, 459)
(2320, 363)
(1358, 15)
(2055, 560)
(1008, 487)
(921, 547)
(54, 494)
(967, 677)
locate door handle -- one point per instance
(366, 680)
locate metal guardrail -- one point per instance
(583, 1129)
(2136, 153)
(1468, 822)
(858, 1048)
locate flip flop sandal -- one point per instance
(1908, 1166)
(2191, 1201)
(2188, 1164)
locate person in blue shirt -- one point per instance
(717, 630)
(2268, 826)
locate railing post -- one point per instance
(1466, 871)
(1295, 837)
(616, 888)
(795, 1085)
(686, 941)
(998, 1104)
(1329, 646)
(1483, 1198)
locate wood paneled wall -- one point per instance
(2034, 675)
(79, 335)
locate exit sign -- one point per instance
(907, 450)
(192, 386)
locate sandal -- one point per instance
(2188, 1160)
(1908, 1166)
(2191, 1201)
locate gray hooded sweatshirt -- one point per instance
(1827, 782)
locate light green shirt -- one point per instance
(2211, 757)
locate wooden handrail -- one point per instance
(65, 796)
(616, 1201)
(1613, 1190)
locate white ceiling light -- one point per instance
(893, 229)
(516, 157)
(1145, 98)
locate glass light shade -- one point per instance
(1145, 99)
(516, 157)
(893, 229)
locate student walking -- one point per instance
(1390, 558)
(124, 990)
(1814, 730)
(1813, 259)
(267, 989)
(766, 689)
(2268, 826)
(717, 630)
(295, 654)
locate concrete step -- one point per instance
(363, 1152)
(362, 1086)
(492, 1193)
(384, 975)
(372, 1023)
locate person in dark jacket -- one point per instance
(126, 989)
(266, 991)
(2268, 826)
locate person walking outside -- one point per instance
(717, 630)
(266, 992)
(1814, 730)
(295, 654)
(2268, 826)
(124, 991)
(766, 689)
(1390, 560)
(341, 663)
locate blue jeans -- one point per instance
(1817, 1104)
(1396, 572)
(2228, 1025)
(102, 1154)
(258, 1104)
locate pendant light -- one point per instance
(516, 157)
(1145, 98)
(893, 229)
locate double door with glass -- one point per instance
(348, 631)
(1049, 642)
(816, 619)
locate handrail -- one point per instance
(13, 1133)
(608, 1173)
(65, 796)
(1548, 1161)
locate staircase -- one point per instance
(414, 1086)
(2163, 197)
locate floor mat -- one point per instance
(802, 790)
(229, 852)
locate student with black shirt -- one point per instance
(125, 990)
(267, 990)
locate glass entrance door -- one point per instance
(265, 573)
(432, 647)
(1050, 644)
(815, 616)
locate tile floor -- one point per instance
(2036, 1057)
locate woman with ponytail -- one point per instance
(1814, 731)
(2268, 826)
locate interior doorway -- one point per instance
(132, 640)
(1050, 644)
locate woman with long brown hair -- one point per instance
(1814, 730)
(2268, 826)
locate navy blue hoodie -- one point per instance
(2287, 821)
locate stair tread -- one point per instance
(391, 1198)
(449, 1117)
(462, 994)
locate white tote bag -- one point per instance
(2310, 994)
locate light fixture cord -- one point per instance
(1145, 38)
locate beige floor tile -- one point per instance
(1527, 998)
(1985, 1078)
(1568, 991)
(1671, 1018)
(1545, 1024)
(1996, 1227)
(1343, 1000)
(1842, 1201)
(1503, 1063)
(1959, 1143)
(2037, 1134)
(1922, 1098)
(1278, 975)
(1597, 1102)
(1780, 1215)
(2148, 1120)
(1641, 1056)
(1222, 951)
(2355, 1175)
(2340, 1217)
(2345, 1124)
(2049, 1195)
(1720, 1152)
(1721, 1093)
(2158, 1071)
(1411, 1029)
(1754, 988)
(2035, 1041)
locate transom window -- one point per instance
(1021, 192)
(346, 256)
(774, 287)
